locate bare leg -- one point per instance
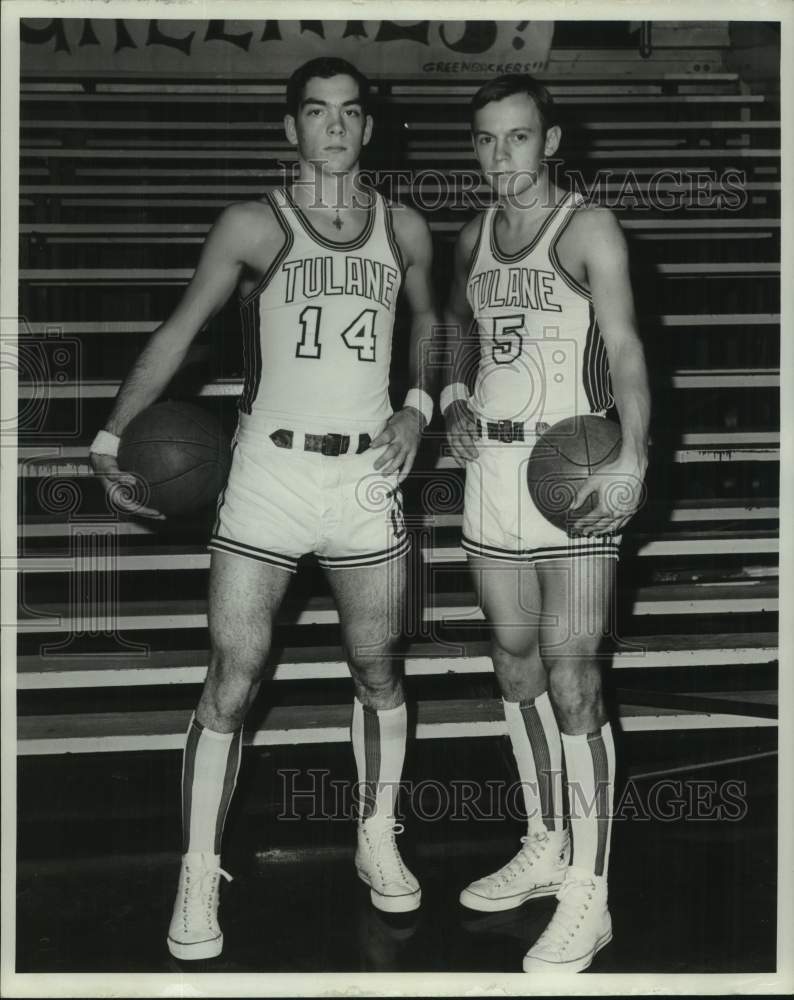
(371, 606)
(371, 603)
(576, 593)
(576, 596)
(244, 595)
(510, 596)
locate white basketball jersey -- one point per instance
(542, 357)
(317, 330)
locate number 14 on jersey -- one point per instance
(358, 336)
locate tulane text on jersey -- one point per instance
(350, 275)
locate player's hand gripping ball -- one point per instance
(563, 458)
(180, 453)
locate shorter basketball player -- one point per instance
(318, 457)
(542, 281)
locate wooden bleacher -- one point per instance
(119, 183)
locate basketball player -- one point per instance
(318, 456)
(542, 282)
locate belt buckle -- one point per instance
(334, 444)
(282, 438)
(504, 429)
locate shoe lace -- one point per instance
(386, 853)
(531, 851)
(574, 898)
(201, 892)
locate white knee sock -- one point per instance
(210, 766)
(379, 748)
(535, 737)
(590, 767)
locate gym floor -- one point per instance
(692, 871)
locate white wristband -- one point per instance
(105, 443)
(421, 401)
(451, 393)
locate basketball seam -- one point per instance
(147, 441)
(176, 478)
(560, 454)
(186, 413)
(587, 450)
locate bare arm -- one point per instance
(462, 346)
(607, 264)
(214, 281)
(401, 435)
(228, 247)
(416, 245)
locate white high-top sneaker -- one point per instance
(393, 888)
(537, 870)
(580, 927)
(194, 932)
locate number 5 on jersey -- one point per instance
(359, 336)
(507, 339)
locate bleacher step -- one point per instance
(737, 378)
(175, 557)
(676, 599)
(54, 459)
(42, 672)
(53, 526)
(165, 730)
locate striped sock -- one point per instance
(379, 749)
(590, 766)
(535, 737)
(210, 766)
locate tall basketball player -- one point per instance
(318, 456)
(542, 283)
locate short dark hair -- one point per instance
(517, 83)
(325, 67)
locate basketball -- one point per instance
(181, 454)
(563, 457)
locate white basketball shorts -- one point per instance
(500, 520)
(282, 502)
